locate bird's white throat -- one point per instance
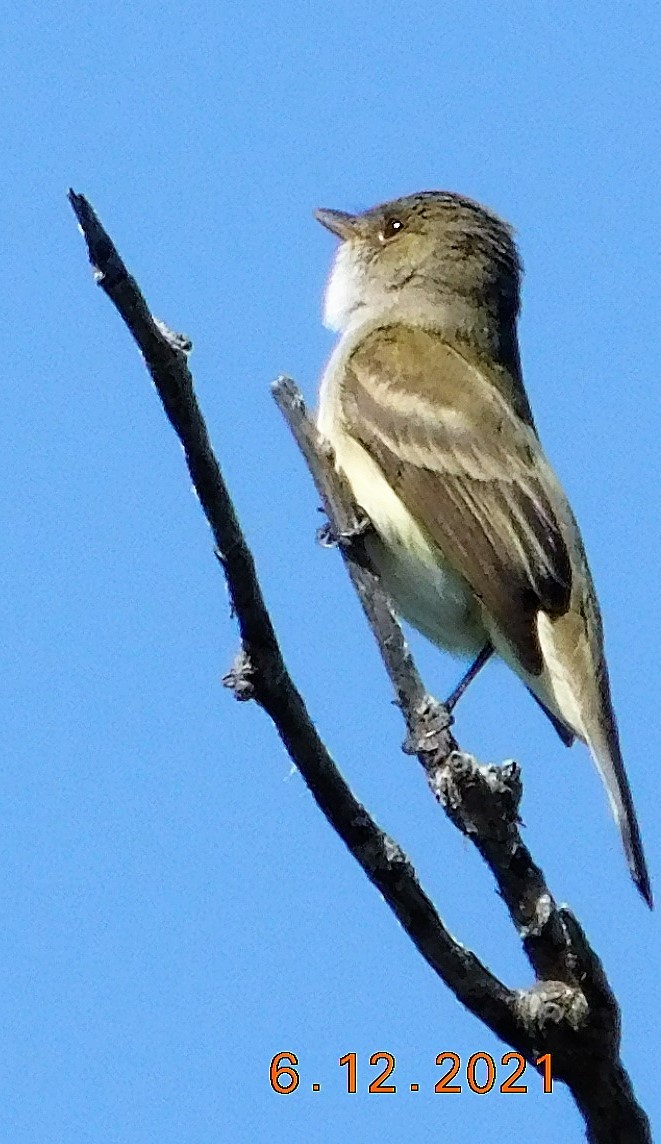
(345, 289)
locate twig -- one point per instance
(482, 801)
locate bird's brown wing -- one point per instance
(467, 468)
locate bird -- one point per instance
(423, 404)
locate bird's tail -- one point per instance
(575, 686)
(604, 747)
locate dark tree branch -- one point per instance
(259, 671)
(482, 802)
(571, 1011)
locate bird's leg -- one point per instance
(328, 538)
(474, 669)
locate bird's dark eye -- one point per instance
(391, 227)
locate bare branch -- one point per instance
(482, 801)
(571, 1012)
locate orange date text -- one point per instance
(479, 1073)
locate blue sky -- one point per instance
(175, 909)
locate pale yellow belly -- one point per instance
(424, 590)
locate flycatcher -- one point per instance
(424, 404)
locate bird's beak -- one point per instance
(337, 222)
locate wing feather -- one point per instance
(469, 470)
